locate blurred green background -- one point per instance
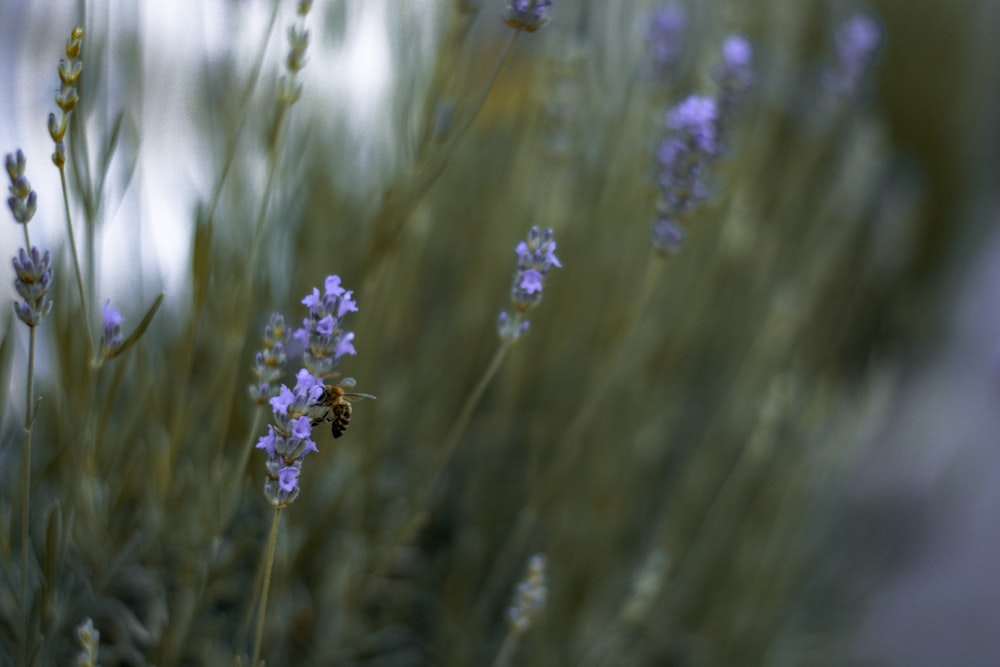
(699, 443)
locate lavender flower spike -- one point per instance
(321, 332)
(33, 282)
(665, 36)
(682, 160)
(527, 15)
(685, 154)
(535, 258)
(529, 596)
(269, 364)
(288, 439)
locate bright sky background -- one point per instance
(151, 221)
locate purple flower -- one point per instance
(266, 442)
(344, 345)
(111, 336)
(288, 439)
(531, 281)
(321, 332)
(665, 37)
(297, 410)
(684, 155)
(856, 42)
(668, 236)
(33, 281)
(282, 401)
(301, 428)
(536, 256)
(288, 479)
(527, 15)
(694, 120)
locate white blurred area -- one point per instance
(348, 83)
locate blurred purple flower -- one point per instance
(856, 42)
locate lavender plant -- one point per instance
(288, 438)
(33, 284)
(708, 407)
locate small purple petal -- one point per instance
(288, 479)
(347, 305)
(301, 428)
(112, 316)
(266, 442)
(281, 402)
(325, 326)
(304, 381)
(344, 345)
(332, 285)
(312, 301)
(531, 281)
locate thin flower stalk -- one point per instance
(69, 75)
(289, 92)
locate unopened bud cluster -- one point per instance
(22, 201)
(289, 89)
(527, 15)
(529, 596)
(111, 334)
(32, 266)
(69, 74)
(90, 640)
(269, 364)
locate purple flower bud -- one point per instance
(856, 42)
(33, 271)
(665, 37)
(535, 258)
(527, 15)
(111, 336)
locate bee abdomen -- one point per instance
(341, 419)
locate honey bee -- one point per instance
(334, 406)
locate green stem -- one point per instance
(453, 438)
(506, 651)
(272, 542)
(621, 340)
(433, 170)
(29, 418)
(76, 264)
(258, 233)
(416, 511)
